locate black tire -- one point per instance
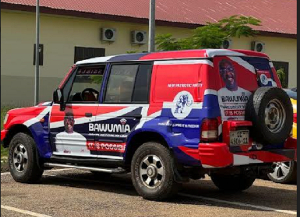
(32, 172)
(255, 112)
(239, 182)
(289, 178)
(168, 187)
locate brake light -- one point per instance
(295, 118)
(209, 130)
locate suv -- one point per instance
(166, 117)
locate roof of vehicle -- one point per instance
(182, 54)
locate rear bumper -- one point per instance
(218, 155)
(291, 143)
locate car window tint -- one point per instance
(120, 84)
(86, 85)
(142, 84)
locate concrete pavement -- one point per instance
(79, 193)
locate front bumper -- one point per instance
(218, 155)
(3, 134)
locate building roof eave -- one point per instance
(118, 18)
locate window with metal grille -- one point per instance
(82, 53)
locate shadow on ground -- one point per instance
(264, 194)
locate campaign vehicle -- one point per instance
(286, 172)
(166, 117)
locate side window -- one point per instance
(121, 83)
(129, 84)
(142, 84)
(86, 85)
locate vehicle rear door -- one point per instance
(238, 78)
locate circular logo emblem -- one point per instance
(263, 79)
(182, 105)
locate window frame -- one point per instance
(287, 66)
(150, 63)
(75, 71)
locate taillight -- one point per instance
(209, 130)
(295, 118)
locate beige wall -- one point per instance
(61, 34)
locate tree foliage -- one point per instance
(96, 79)
(211, 35)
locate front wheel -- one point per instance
(232, 182)
(23, 161)
(152, 172)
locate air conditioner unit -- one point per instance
(138, 37)
(258, 46)
(108, 34)
(227, 43)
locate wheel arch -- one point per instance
(13, 130)
(139, 138)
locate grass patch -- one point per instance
(4, 151)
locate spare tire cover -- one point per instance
(271, 112)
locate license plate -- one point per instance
(240, 137)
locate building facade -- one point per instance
(66, 38)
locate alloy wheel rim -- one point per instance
(20, 158)
(151, 171)
(281, 170)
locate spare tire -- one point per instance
(271, 112)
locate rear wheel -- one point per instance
(23, 159)
(152, 172)
(232, 182)
(284, 172)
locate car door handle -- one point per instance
(88, 114)
(137, 116)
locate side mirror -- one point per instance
(57, 94)
(59, 98)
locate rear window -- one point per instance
(263, 70)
